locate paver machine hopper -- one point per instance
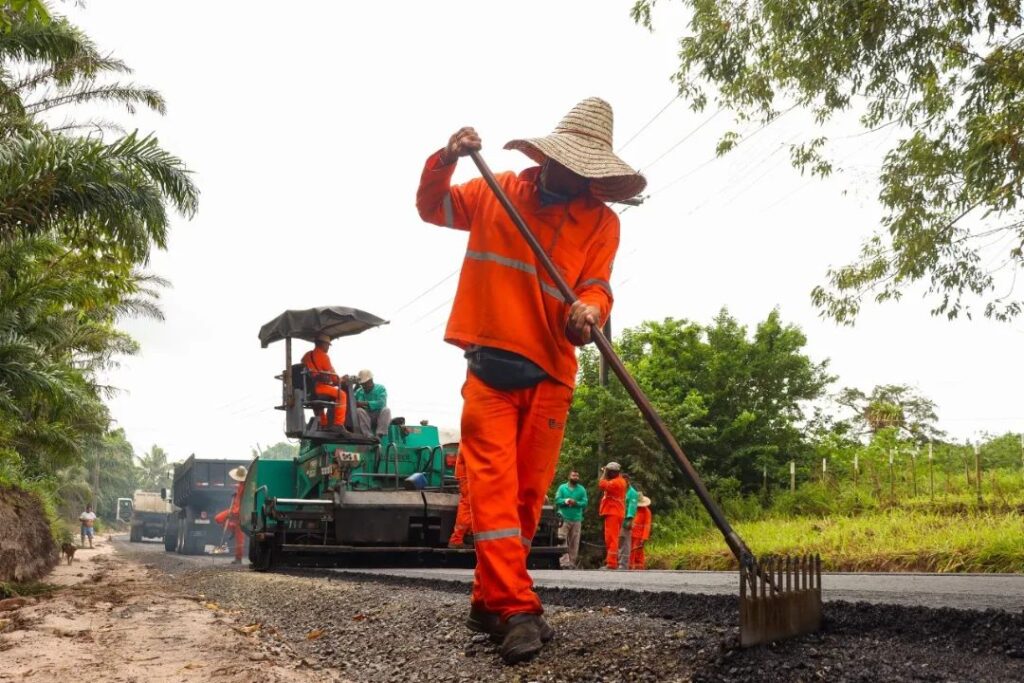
(348, 498)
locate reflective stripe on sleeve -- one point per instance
(603, 284)
(527, 542)
(449, 213)
(495, 535)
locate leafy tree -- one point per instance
(155, 470)
(949, 76)
(279, 451)
(735, 402)
(891, 406)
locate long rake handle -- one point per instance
(736, 544)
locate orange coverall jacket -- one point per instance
(641, 530)
(613, 502)
(504, 299)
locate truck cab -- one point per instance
(148, 515)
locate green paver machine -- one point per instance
(352, 499)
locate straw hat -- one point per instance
(239, 473)
(364, 376)
(582, 142)
(644, 502)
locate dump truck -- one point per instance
(354, 499)
(148, 516)
(201, 488)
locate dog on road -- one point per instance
(68, 550)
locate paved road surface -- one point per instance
(962, 591)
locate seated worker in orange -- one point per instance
(231, 518)
(640, 533)
(519, 337)
(463, 517)
(326, 381)
(613, 509)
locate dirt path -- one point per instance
(113, 619)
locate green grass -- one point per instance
(25, 590)
(904, 539)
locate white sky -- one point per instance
(307, 131)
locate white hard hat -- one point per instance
(323, 338)
(613, 466)
(364, 376)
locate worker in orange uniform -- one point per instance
(519, 337)
(326, 382)
(463, 516)
(613, 509)
(640, 533)
(231, 519)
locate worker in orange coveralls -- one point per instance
(231, 519)
(613, 509)
(326, 381)
(463, 516)
(640, 533)
(519, 337)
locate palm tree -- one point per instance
(155, 469)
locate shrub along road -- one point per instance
(375, 627)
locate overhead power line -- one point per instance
(649, 122)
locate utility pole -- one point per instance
(792, 475)
(856, 468)
(824, 469)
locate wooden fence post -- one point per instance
(977, 469)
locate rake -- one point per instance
(780, 597)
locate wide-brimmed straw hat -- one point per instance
(582, 142)
(644, 502)
(239, 473)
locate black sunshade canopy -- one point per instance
(334, 321)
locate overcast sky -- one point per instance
(307, 131)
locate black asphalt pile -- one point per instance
(384, 629)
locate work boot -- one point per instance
(522, 638)
(481, 620)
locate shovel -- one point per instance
(779, 597)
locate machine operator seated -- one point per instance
(372, 405)
(327, 385)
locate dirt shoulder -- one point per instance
(116, 619)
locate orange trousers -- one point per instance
(239, 542)
(510, 442)
(463, 516)
(612, 527)
(637, 559)
(332, 393)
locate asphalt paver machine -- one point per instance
(352, 499)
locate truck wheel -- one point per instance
(135, 535)
(187, 542)
(170, 541)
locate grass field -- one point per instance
(860, 530)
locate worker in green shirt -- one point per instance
(625, 534)
(571, 501)
(372, 405)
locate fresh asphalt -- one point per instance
(960, 591)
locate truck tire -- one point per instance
(187, 544)
(171, 538)
(262, 555)
(135, 535)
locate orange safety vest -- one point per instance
(318, 362)
(613, 502)
(504, 299)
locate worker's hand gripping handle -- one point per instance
(736, 544)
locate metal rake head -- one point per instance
(780, 597)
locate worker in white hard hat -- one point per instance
(612, 509)
(231, 519)
(372, 405)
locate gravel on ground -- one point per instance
(377, 628)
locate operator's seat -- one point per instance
(303, 382)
